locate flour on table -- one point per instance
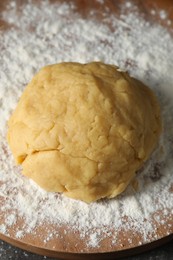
(50, 33)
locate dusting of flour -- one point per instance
(50, 33)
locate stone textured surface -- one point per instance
(8, 252)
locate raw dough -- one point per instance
(84, 129)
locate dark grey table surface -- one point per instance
(8, 252)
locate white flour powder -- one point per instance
(50, 33)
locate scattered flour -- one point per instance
(163, 14)
(93, 240)
(50, 33)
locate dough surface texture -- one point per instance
(84, 129)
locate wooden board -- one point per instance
(69, 245)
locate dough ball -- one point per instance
(84, 129)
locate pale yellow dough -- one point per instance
(84, 129)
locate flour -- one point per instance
(50, 33)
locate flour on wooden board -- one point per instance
(134, 45)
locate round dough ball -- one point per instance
(84, 129)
